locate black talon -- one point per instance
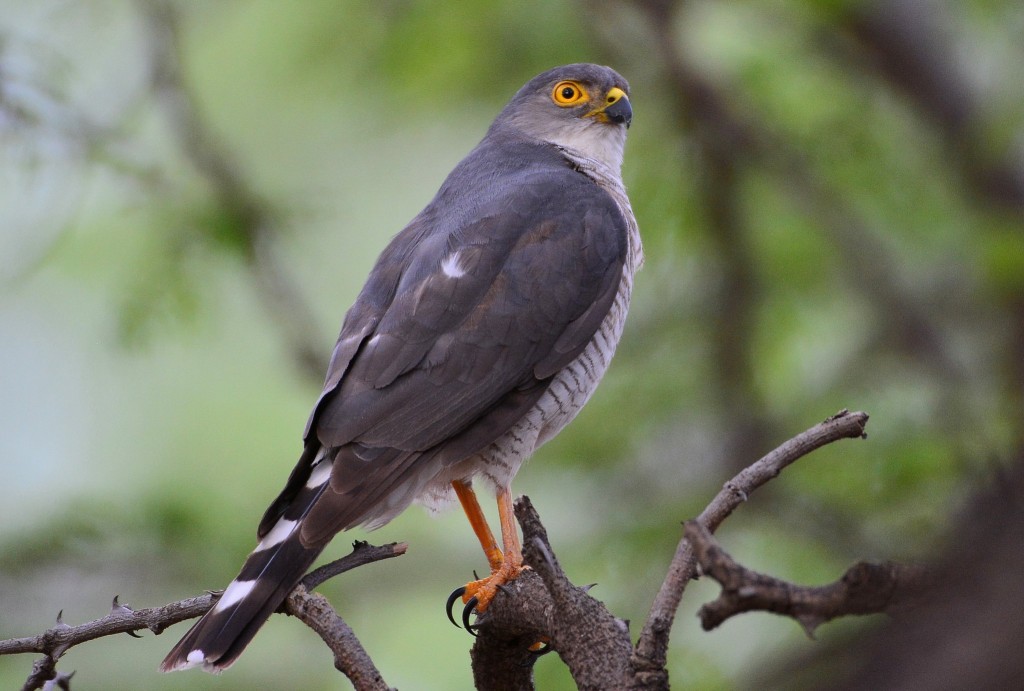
(456, 594)
(466, 611)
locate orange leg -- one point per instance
(504, 567)
(509, 530)
(467, 497)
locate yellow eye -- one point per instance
(568, 94)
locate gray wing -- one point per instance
(455, 336)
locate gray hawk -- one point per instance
(482, 330)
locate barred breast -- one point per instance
(572, 387)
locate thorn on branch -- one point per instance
(61, 637)
(738, 491)
(117, 608)
(549, 558)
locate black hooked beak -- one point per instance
(618, 111)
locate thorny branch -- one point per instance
(544, 611)
(310, 608)
(57, 640)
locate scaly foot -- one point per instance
(477, 595)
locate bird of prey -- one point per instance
(482, 330)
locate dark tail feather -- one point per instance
(271, 571)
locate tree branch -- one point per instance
(307, 607)
(649, 657)
(350, 658)
(842, 425)
(865, 588)
(543, 606)
(593, 643)
(519, 618)
(362, 553)
(122, 619)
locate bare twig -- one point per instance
(122, 619)
(544, 605)
(865, 588)
(362, 553)
(649, 657)
(56, 641)
(350, 658)
(842, 425)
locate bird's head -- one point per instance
(583, 107)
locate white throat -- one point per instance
(597, 141)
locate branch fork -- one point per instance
(543, 610)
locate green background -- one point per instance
(151, 398)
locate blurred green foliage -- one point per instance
(151, 399)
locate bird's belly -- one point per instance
(569, 391)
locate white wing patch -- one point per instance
(450, 266)
(235, 592)
(281, 530)
(321, 474)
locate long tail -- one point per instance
(270, 572)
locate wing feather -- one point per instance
(447, 349)
(458, 332)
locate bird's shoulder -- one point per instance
(506, 167)
(504, 260)
(505, 194)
